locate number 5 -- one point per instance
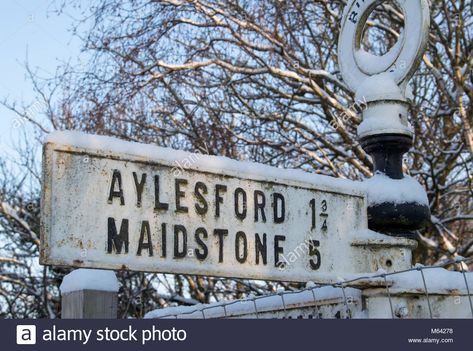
(314, 251)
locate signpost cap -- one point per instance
(382, 81)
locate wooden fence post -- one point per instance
(89, 294)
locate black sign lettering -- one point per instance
(324, 215)
(240, 209)
(158, 205)
(312, 213)
(324, 205)
(180, 229)
(279, 208)
(115, 240)
(163, 240)
(241, 256)
(261, 249)
(314, 251)
(148, 245)
(278, 249)
(218, 198)
(353, 18)
(116, 180)
(203, 252)
(139, 186)
(199, 190)
(180, 195)
(260, 203)
(221, 233)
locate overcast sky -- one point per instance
(29, 28)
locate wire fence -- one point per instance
(429, 282)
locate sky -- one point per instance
(29, 29)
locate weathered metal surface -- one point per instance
(319, 303)
(108, 208)
(417, 306)
(422, 292)
(403, 295)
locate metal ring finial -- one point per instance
(402, 60)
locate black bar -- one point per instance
(249, 335)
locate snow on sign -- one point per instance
(112, 204)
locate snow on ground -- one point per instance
(89, 279)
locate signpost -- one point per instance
(118, 205)
(110, 204)
(385, 132)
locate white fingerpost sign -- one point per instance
(112, 204)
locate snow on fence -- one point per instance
(419, 292)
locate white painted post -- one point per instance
(89, 294)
